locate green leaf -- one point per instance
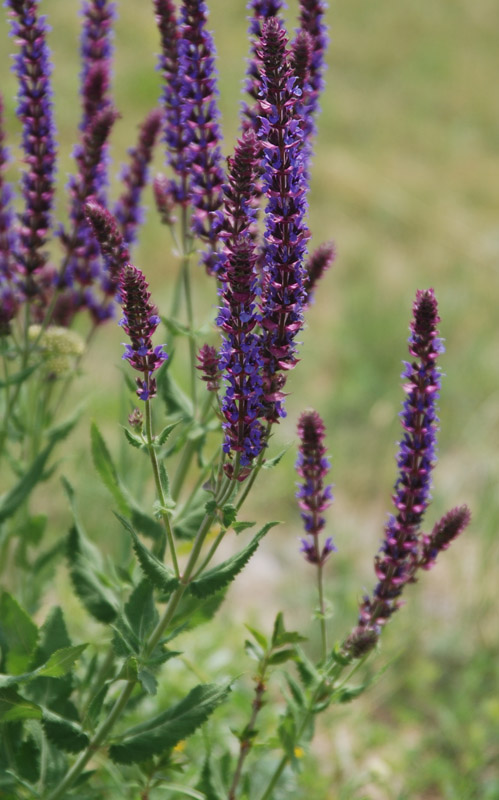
(287, 734)
(296, 691)
(14, 707)
(65, 734)
(147, 525)
(349, 693)
(239, 527)
(175, 400)
(148, 681)
(273, 462)
(106, 469)
(140, 610)
(163, 437)
(194, 611)
(95, 706)
(12, 500)
(206, 783)
(219, 577)
(62, 661)
(229, 515)
(160, 576)
(28, 759)
(124, 641)
(188, 526)
(281, 636)
(18, 634)
(306, 670)
(83, 560)
(133, 438)
(169, 728)
(281, 656)
(129, 671)
(19, 377)
(260, 637)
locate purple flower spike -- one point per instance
(312, 14)
(96, 55)
(7, 230)
(286, 234)
(134, 176)
(318, 263)
(33, 70)
(201, 117)
(444, 532)
(140, 320)
(240, 359)
(260, 11)
(176, 134)
(165, 201)
(314, 498)
(396, 564)
(111, 242)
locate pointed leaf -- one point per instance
(148, 681)
(162, 438)
(19, 377)
(169, 728)
(65, 734)
(62, 661)
(219, 577)
(106, 469)
(97, 598)
(133, 438)
(281, 656)
(140, 610)
(18, 634)
(14, 707)
(260, 637)
(12, 500)
(160, 576)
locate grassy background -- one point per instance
(405, 181)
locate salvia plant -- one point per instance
(110, 716)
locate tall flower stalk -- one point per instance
(33, 69)
(286, 233)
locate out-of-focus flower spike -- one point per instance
(176, 134)
(312, 13)
(209, 367)
(7, 225)
(134, 176)
(301, 56)
(399, 556)
(33, 69)
(201, 117)
(286, 234)
(96, 53)
(313, 496)
(260, 10)
(165, 201)
(317, 264)
(140, 320)
(444, 532)
(111, 242)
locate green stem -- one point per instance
(159, 488)
(254, 474)
(322, 610)
(188, 453)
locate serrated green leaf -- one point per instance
(238, 527)
(140, 610)
(162, 437)
(62, 661)
(99, 601)
(349, 693)
(53, 636)
(278, 629)
(147, 525)
(133, 438)
(287, 734)
(219, 577)
(281, 656)
(160, 576)
(194, 611)
(253, 650)
(107, 471)
(18, 634)
(27, 758)
(273, 462)
(14, 707)
(210, 507)
(229, 515)
(95, 706)
(306, 670)
(148, 681)
(64, 733)
(129, 671)
(206, 783)
(296, 691)
(169, 728)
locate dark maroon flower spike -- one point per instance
(318, 263)
(10, 275)
(209, 367)
(111, 242)
(313, 496)
(127, 210)
(443, 534)
(140, 320)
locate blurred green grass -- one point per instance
(405, 181)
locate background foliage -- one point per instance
(405, 180)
